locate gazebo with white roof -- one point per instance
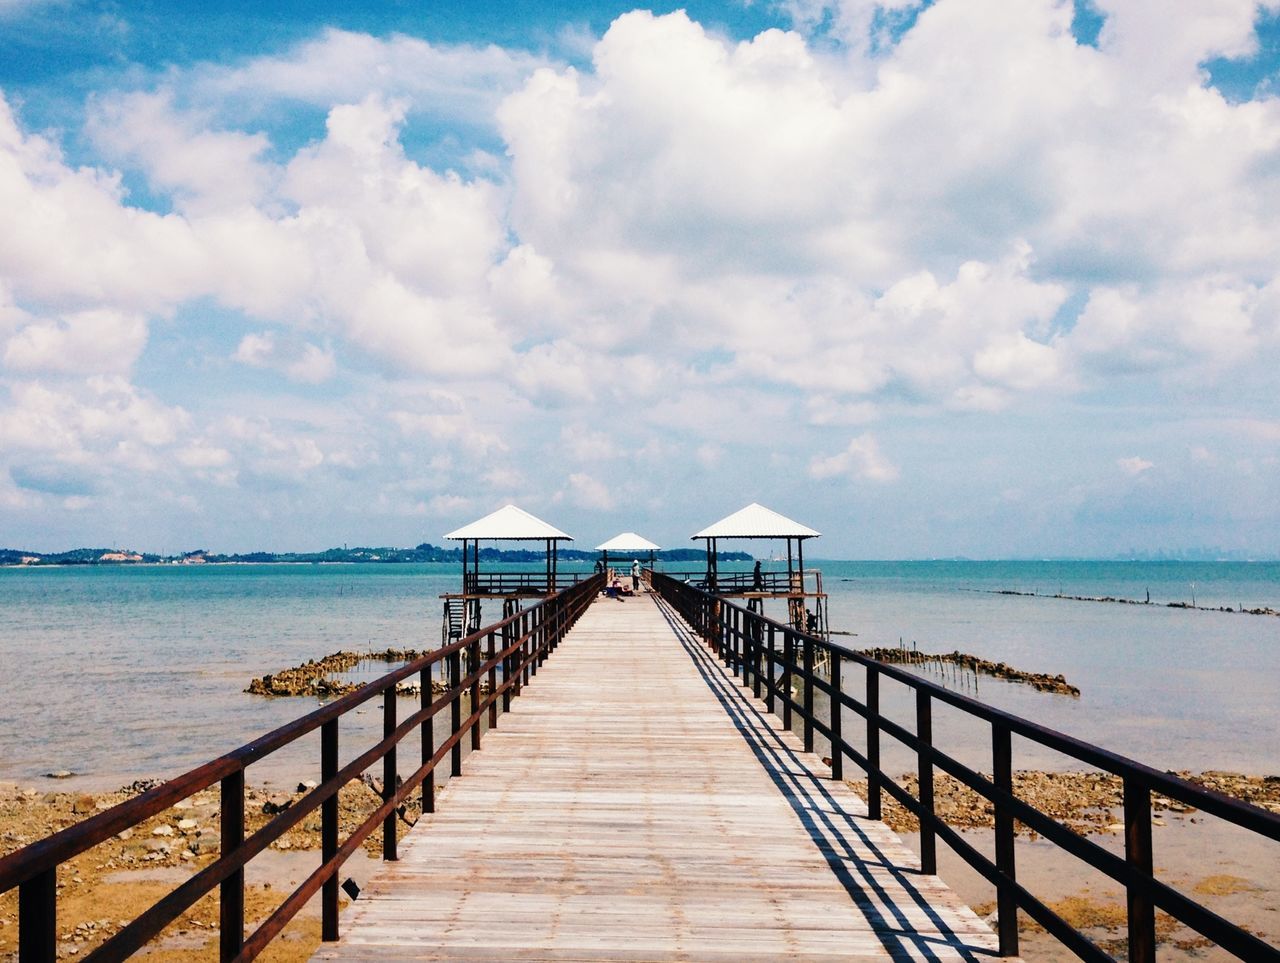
(507, 524)
(757, 522)
(627, 543)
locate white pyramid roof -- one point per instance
(756, 521)
(509, 524)
(627, 542)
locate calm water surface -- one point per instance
(119, 673)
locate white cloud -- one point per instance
(1134, 465)
(459, 81)
(83, 342)
(585, 491)
(207, 170)
(299, 361)
(862, 459)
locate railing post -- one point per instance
(924, 769)
(540, 642)
(389, 774)
(736, 648)
(38, 918)
(507, 631)
(1006, 900)
(455, 711)
(530, 644)
(788, 663)
(873, 742)
(428, 740)
(808, 694)
(474, 655)
(493, 680)
(754, 633)
(1138, 853)
(837, 710)
(771, 682)
(231, 890)
(329, 831)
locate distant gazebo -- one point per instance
(628, 543)
(507, 524)
(757, 522)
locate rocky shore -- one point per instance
(1040, 681)
(106, 887)
(1087, 802)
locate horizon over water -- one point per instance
(124, 672)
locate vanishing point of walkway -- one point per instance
(636, 804)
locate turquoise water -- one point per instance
(119, 673)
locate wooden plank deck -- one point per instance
(636, 804)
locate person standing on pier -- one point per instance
(635, 575)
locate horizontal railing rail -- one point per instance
(519, 583)
(517, 645)
(772, 657)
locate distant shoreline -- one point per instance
(422, 554)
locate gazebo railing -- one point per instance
(515, 645)
(775, 659)
(518, 583)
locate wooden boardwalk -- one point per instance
(636, 804)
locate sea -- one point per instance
(118, 673)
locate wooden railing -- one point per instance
(517, 645)
(518, 583)
(772, 657)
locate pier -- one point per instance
(637, 803)
(642, 784)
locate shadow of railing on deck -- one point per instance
(827, 822)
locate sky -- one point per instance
(949, 278)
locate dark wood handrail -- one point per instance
(770, 654)
(517, 644)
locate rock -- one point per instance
(284, 844)
(187, 824)
(83, 804)
(59, 774)
(156, 846)
(278, 803)
(307, 785)
(124, 834)
(162, 831)
(204, 844)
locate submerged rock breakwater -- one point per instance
(315, 676)
(1040, 681)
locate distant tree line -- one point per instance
(425, 552)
